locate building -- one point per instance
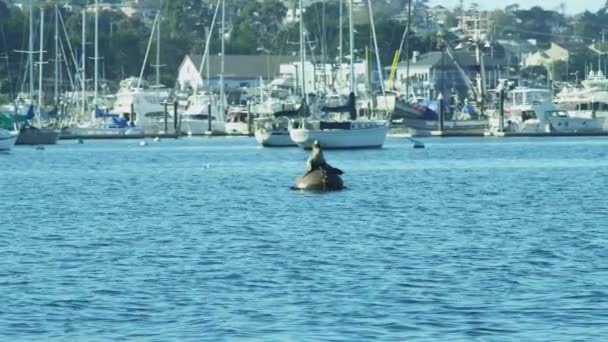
(555, 53)
(433, 71)
(476, 23)
(239, 70)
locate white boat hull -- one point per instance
(201, 127)
(239, 128)
(370, 137)
(7, 140)
(271, 138)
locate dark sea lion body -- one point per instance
(319, 180)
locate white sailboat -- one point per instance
(340, 133)
(204, 114)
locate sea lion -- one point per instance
(316, 160)
(319, 174)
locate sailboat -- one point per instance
(352, 132)
(204, 114)
(28, 133)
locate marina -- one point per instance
(299, 170)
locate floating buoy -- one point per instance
(40, 147)
(80, 141)
(157, 139)
(143, 143)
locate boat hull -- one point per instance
(201, 127)
(371, 137)
(101, 132)
(237, 128)
(7, 140)
(425, 127)
(37, 136)
(270, 138)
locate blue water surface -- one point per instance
(201, 239)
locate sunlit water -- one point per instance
(202, 239)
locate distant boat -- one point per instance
(237, 121)
(421, 117)
(7, 139)
(353, 132)
(203, 115)
(340, 134)
(273, 131)
(31, 135)
(530, 110)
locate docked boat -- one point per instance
(590, 100)
(237, 120)
(31, 135)
(7, 139)
(530, 110)
(340, 133)
(421, 118)
(273, 130)
(203, 115)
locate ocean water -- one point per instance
(201, 239)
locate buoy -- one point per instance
(157, 139)
(40, 147)
(80, 141)
(143, 143)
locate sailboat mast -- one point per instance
(96, 58)
(40, 61)
(31, 53)
(302, 52)
(353, 88)
(84, 60)
(158, 51)
(340, 38)
(223, 48)
(407, 49)
(56, 95)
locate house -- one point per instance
(518, 49)
(433, 71)
(239, 70)
(555, 53)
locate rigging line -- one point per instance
(70, 49)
